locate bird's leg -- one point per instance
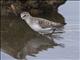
(53, 31)
(50, 34)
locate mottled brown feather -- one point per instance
(44, 23)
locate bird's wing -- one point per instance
(47, 23)
(44, 23)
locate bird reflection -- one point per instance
(36, 44)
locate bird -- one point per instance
(40, 25)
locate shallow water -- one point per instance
(70, 10)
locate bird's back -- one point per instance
(44, 23)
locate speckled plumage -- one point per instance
(43, 26)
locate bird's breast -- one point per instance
(35, 27)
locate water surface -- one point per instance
(70, 10)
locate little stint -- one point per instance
(40, 25)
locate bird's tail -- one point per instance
(58, 24)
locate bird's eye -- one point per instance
(24, 15)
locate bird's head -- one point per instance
(25, 15)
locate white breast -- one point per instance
(34, 26)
